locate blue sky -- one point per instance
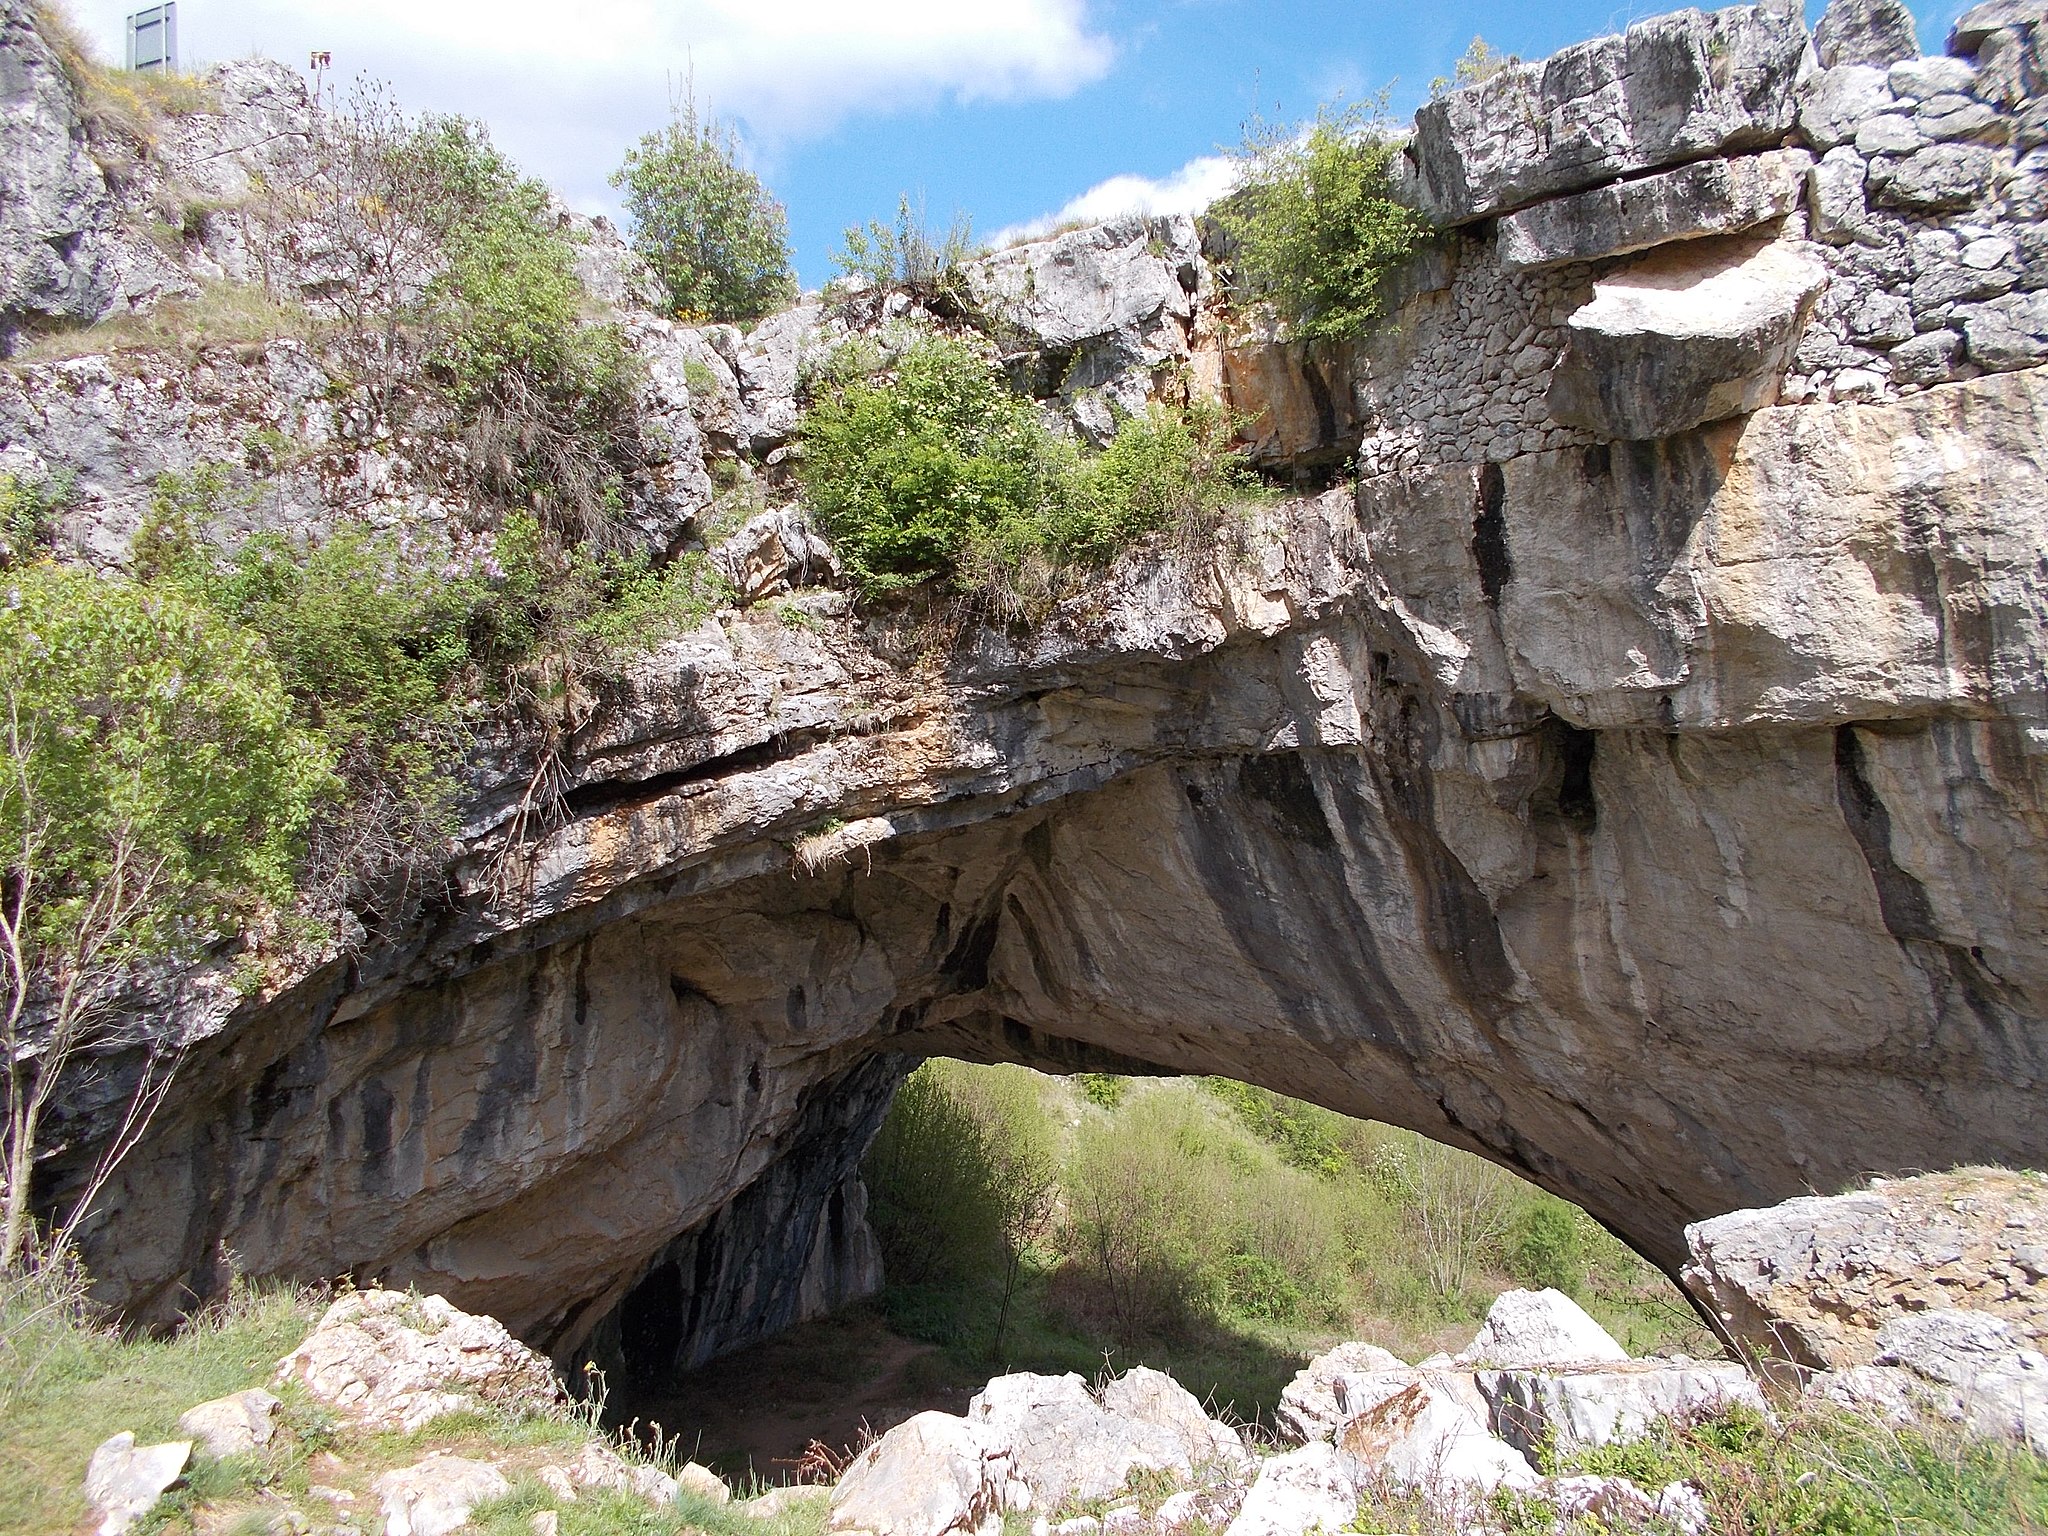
(1006, 110)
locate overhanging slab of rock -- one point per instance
(1685, 337)
(1707, 197)
(1669, 89)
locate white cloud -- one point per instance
(1188, 190)
(566, 85)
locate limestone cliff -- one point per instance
(1630, 770)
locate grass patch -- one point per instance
(222, 314)
(68, 1382)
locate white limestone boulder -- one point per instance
(1309, 1407)
(1583, 1408)
(1424, 1437)
(930, 1475)
(434, 1496)
(1149, 1397)
(1687, 335)
(1310, 1489)
(390, 1360)
(233, 1425)
(1063, 1444)
(1539, 1328)
(124, 1480)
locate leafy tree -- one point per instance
(155, 790)
(1314, 224)
(704, 222)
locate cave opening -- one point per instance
(1091, 1222)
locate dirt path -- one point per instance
(836, 1382)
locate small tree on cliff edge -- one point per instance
(704, 222)
(153, 791)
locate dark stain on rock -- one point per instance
(1490, 534)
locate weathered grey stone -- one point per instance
(233, 1425)
(2008, 332)
(1817, 1281)
(930, 1475)
(1929, 358)
(1876, 32)
(1684, 336)
(1890, 133)
(1935, 75)
(1311, 1407)
(1940, 176)
(1063, 1444)
(1836, 102)
(1151, 1397)
(1577, 1409)
(390, 1360)
(124, 1480)
(1960, 118)
(1423, 1436)
(1531, 1328)
(1970, 1368)
(56, 215)
(1709, 197)
(1834, 196)
(1671, 88)
(1980, 22)
(434, 1496)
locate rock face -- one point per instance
(1647, 797)
(1684, 337)
(1818, 1281)
(1672, 88)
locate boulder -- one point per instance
(232, 1425)
(1816, 1281)
(1313, 1488)
(1063, 1444)
(1424, 1437)
(1095, 312)
(1836, 102)
(1708, 197)
(1980, 23)
(1934, 179)
(390, 1360)
(1977, 1370)
(1685, 336)
(1146, 1396)
(1579, 1409)
(598, 1465)
(931, 1474)
(1537, 1328)
(1835, 205)
(1876, 32)
(435, 1496)
(1309, 1407)
(1669, 89)
(123, 1481)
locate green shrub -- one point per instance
(1307, 1138)
(1828, 1473)
(1313, 223)
(937, 472)
(704, 223)
(28, 511)
(905, 473)
(931, 1184)
(1547, 1249)
(908, 254)
(1104, 1089)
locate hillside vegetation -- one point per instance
(1213, 1230)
